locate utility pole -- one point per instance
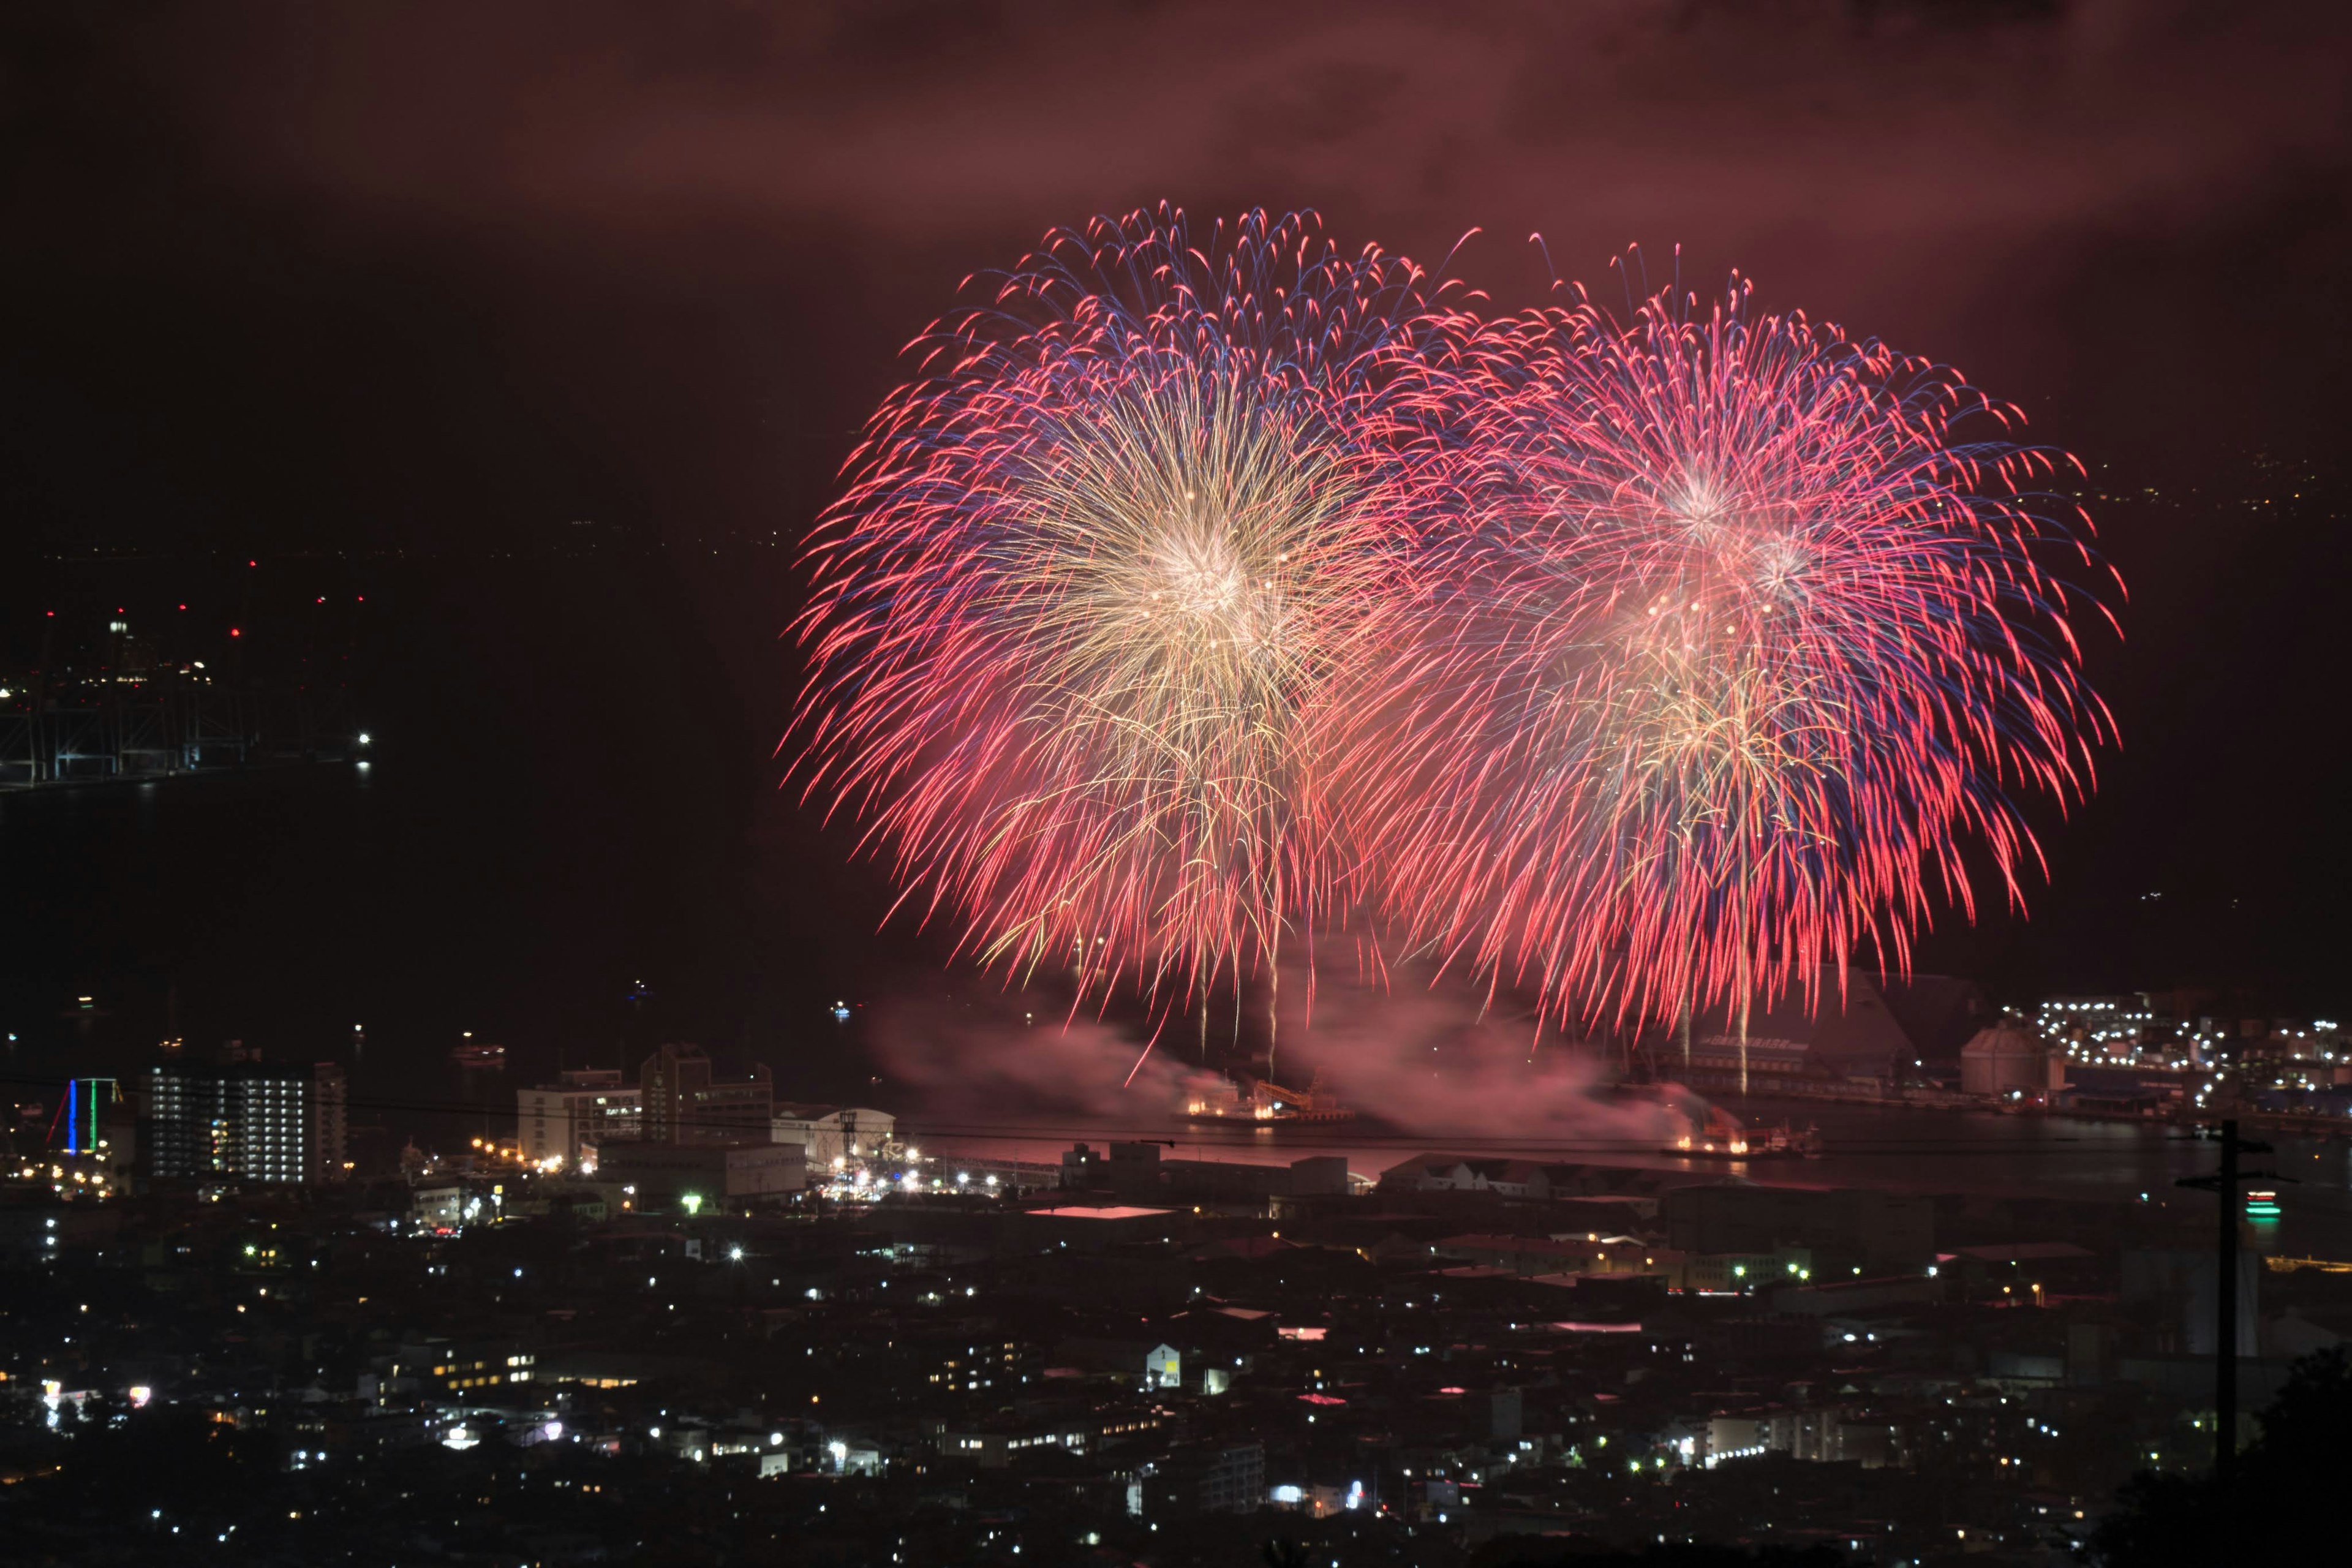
(2224, 1185)
(2225, 1314)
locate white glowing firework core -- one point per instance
(1196, 554)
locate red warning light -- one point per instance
(235, 633)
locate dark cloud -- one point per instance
(1884, 121)
(1952, 176)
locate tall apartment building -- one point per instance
(581, 1109)
(687, 1102)
(247, 1121)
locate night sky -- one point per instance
(446, 280)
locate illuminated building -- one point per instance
(472, 1370)
(995, 1444)
(582, 1109)
(688, 1175)
(687, 1102)
(2009, 1060)
(247, 1120)
(831, 1133)
(2110, 1025)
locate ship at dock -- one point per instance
(1721, 1137)
(1262, 1101)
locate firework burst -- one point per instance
(1089, 579)
(1732, 637)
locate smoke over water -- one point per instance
(1420, 1059)
(1425, 1059)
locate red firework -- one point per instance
(1730, 636)
(1088, 581)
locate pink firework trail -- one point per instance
(1728, 637)
(1086, 590)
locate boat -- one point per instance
(1722, 1138)
(1260, 1101)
